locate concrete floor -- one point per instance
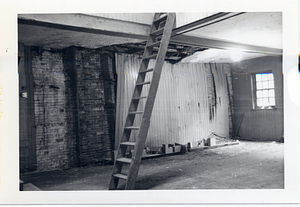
(249, 165)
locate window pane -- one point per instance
(258, 77)
(271, 84)
(270, 76)
(259, 102)
(271, 93)
(265, 93)
(259, 85)
(265, 102)
(259, 94)
(272, 101)
(265, 85)
(264, 76)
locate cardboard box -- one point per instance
(176, 149)
(211, 141)
(166, 149)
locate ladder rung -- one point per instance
(143, 83)
(148, 70)
(137, 98)
(128, 143)
(161, 18)
(124, 160)
(119, 175)
(150, 57)
(136, 112)
(154, 44)
(157, 32)
(132, 128)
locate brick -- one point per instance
(54, 108)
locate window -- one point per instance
(264, 92)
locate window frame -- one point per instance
(254, 91)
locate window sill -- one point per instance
(258, 109)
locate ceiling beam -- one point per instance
(207, 21)
(118, 28)
(87, 24)
(221, 44)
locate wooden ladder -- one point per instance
(160, 35)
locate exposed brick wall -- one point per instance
(55, 73)
(50, 110)
(94, 130)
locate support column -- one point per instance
(70, 68)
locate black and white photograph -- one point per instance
(151, 101)
(160, 101)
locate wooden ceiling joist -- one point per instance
(117, 28)
(203, 22)
(221, 44)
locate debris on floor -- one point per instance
(213, 140)
(249, 165)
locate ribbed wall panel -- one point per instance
(257, 124)
(182, 18)
(181, 111)
(144, 18)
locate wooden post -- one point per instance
(72, 73)
(106, 70)
(32, 162)
(27, 128)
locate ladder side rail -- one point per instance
(136, 92)
(140, 143)
(117, 168)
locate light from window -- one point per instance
(265, 93)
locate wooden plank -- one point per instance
(157, 32)
(143, 83)
(71, 71)
(106, 70)
(140, 143)
(32, 162)
(154, 44)
(124, 160)
(210, 19)
(142, 34)
(23, 105)
(76, 101)
(128, 143)
(221, 44)
(160, 19)
(132, 128)
(146, 71)
(87, 24)
(150, 57)
(136, 112)
(133, 107)
(141, 97)
(122, 176)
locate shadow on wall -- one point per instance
(257, 124)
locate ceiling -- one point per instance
(254, 28)
(47, 37)
(259, 29)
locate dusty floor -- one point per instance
(249, 165)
